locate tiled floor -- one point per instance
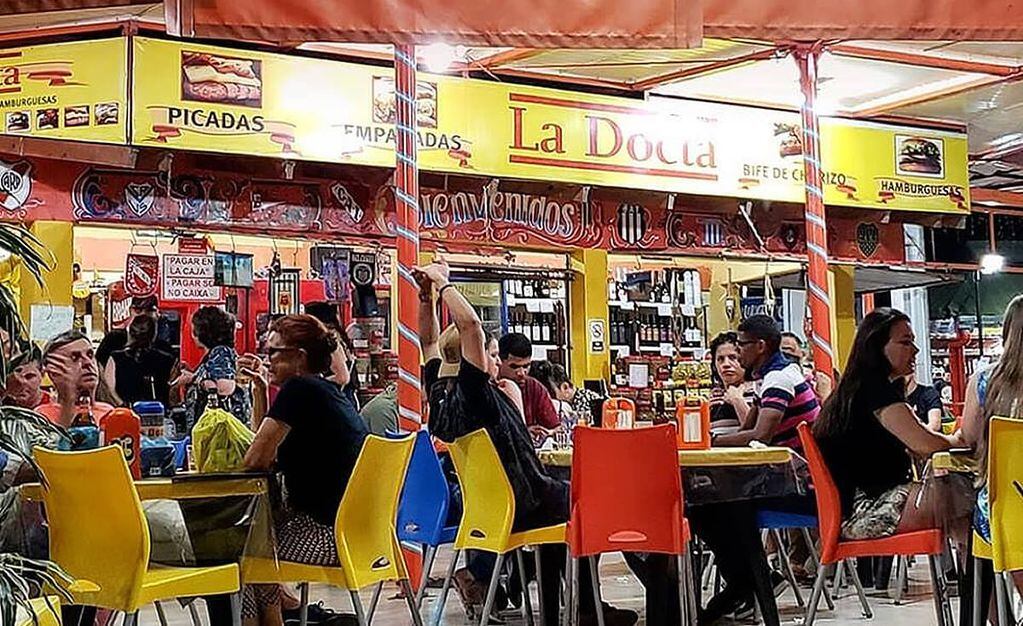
(622, 590)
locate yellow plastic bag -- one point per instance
(219, 442)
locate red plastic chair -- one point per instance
(627, 496)
(836, 550)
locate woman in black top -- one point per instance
(140, 371)
(867, 432)
(314, 436)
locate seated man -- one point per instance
(784, 399)
(24, 385)
(464, 396)
(70, 362)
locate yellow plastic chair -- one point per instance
(367, 542)
(45, 612)
(1005, 484)
(99, 535)
(488, 510)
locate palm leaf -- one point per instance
(21, 429)
(35, 259)
(21, 579)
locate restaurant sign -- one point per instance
(255, 103)
(72, 90)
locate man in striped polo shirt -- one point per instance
(784, 398)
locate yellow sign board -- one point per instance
(200, 97)
(73, 90)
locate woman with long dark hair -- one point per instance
(867, 434)
(140, 371)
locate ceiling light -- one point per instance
(991, 263)
(438, 57)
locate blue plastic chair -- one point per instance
(775, 521)
(423, 512)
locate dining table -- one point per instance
(182, 486)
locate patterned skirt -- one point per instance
(875, 517)
(299, 539)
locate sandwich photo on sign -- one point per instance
(76, 116)
(220, 79)
(919, 156)
(47, 119)
(383, 102)
(17, 121)
(106, 113)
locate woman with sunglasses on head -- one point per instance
(313, 436)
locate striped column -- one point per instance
(406, 184)
(817, 290)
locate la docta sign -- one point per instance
(609, 138)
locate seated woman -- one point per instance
(733, 394)
(572, 403)
(314, 436)
(994, 391)
(867, 434)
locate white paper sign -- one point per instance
(546, 306)
(190, 278)
(47, 321)
(639, 375)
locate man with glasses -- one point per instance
(783, 400)
(784, 397)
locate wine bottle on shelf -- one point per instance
(527, 289)
(545, 327)
(535, 329)
(663, 329)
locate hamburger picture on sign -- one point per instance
(919, 156)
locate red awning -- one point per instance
(13, 7)
(780, 20)
(514, 23)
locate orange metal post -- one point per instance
(406, 185)
(817, 289)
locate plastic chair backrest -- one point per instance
(618, 413)
(424, 500)
(1005, 481)
(488, 504)
(829, 503)
(367, 543)
(626, 491)
(97, 529)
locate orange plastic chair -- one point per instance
(835, 550)
(618, 413)
(612, 511)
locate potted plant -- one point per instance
(22, 578)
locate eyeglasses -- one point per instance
(270, 352)
(747, 342)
